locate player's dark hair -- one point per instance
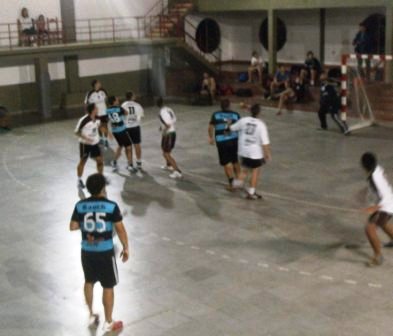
(255, 110)
(95, 183)
(160, 102)
(369, 161)
(90, 108)
(94, 82)
(129, 95)
(310, 53)
(225, 103)
(111, 100)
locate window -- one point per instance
(208, 35)
(281, 34)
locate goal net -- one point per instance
(358, 73)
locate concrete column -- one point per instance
(272, 40)
(72, 74)
(44, 87)
(322, 29)
(389, 43)
(158, 72)
(67, 8)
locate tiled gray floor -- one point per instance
(203, 262)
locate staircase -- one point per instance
(169, 20)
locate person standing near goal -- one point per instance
(330, 103)
(97, 218)
(254, 149)
(227, 142)
(87, 132)
(97, 95)
(168, 128)
(381, 213)
(133, 123)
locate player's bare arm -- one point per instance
(211, 132)
(74, 226)
(267, 152)
(122, 233)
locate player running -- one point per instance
(133, 123)
(381, 213)
(116, 116)
(87, 131)
(226, 141)
(168, 140)
(97, 217)
(98, 96)
(254, 149)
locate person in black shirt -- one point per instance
(313, 67)
(296, 93)
(330, 103)
(363, 46)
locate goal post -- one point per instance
(353, 88)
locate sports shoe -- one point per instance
(113, 326)
(252, 197)
(81, 185)
(388, 245)
(94, 321)
(115, 168)
(139, 173)
(258, 196)
(375, 261)
(168, 168)
(176, 175)
(132, 169)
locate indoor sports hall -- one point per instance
(127, 211)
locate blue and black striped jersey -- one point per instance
(96, 218)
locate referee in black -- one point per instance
(330, 103)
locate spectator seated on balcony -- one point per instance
(27, 31)
(42, 31)
(208, 88)
(4, 120)
(256, 66)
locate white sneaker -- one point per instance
(94, 321)
(168, 168)
(176, 175)
(139, 173)
(113, 326)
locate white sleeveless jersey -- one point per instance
(135, 113)
(88, 128)
(98, 98)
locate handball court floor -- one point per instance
(204, 262)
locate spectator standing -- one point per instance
(363, 46)
(26, 27)
(255, 66)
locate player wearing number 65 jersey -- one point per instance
(116, 115)
(97, 217)
(133, 123)
(254, 149)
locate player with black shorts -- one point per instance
(330, 103)
(87, 131)
(168, 139)
(133, 123)
(116, 116)
(381, 213)
(226, 141)
(97, 95)
(97, 218)
(254, 149)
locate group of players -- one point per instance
(243, 147)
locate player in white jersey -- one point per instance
(381, 213)
(168, 140)
(98, 97)
(87, 131)
(253, 149)
(133, 124)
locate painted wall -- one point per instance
(240, 33)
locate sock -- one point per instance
(251, 191)
(237, 183)
(139, 163)
(230, 179)
(80, 179)
(114, 162)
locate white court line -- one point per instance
(283, 269)
(180, 243)
(350, 282)
(166, 239)
(326, 277)
(373, 285)
(305, 273)
(195, 248)
(243, 261)
(210, 252)
(264, 265)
